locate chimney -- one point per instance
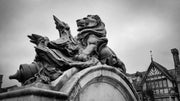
(175, 53)
(1, 76)
(177, 68)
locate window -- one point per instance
(164, 83)
(161, 91)
(157, 91)
(149, 85)
(165, 99)
(156, 84)
(159, 77)
(153, 86)
(154, 91)
(160, 83)
(144, 86)
(169, 83)
(163, 76)
(166, 90)
(158, 100)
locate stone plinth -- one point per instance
(96, 83)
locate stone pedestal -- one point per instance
(97, 83)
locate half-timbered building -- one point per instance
(158, 83)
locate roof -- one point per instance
(161, 69)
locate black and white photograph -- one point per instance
(89, 50)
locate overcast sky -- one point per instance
(134, 27)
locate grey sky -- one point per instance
(134, 27)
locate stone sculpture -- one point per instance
(88, 48)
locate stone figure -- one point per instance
(88, 48)
(92, 37)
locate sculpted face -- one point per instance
(90, 21)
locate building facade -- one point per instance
(158, 83)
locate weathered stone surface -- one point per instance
(81, 68)
(98, 77)
(87, 49)
(33, 94)
(101, 92)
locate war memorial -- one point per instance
(80, 68)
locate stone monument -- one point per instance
(80, 68)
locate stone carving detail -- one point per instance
(88, 48)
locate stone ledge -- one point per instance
(34, 91)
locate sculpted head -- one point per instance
(88, 22)
(90, 25)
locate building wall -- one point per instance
(156, 88)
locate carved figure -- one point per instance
(87, 49)
(92, 36)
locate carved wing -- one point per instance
(64, 31)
